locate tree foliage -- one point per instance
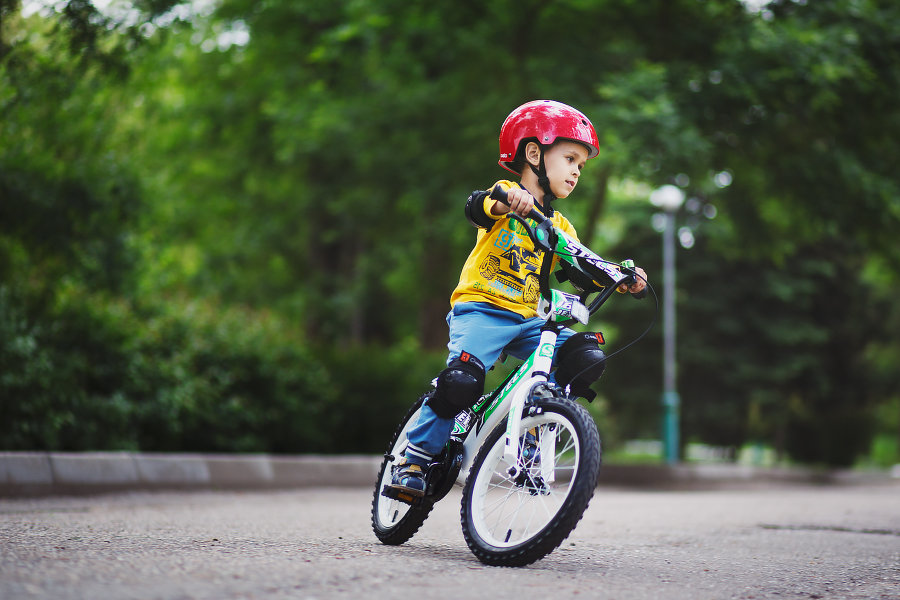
(300, 167)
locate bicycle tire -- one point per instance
(557, 502)
(395, 522)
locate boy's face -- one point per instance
(564, 161)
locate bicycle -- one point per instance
(527, 454)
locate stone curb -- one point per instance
(700, 476)
(56, 473)
(61, 473)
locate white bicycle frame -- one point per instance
(511, 399)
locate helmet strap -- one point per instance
(544, 182)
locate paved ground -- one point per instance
(795, 542)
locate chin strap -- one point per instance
(544, 182)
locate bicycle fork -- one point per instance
(513, 450)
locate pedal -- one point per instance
(400, 495)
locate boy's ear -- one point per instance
(533, 153)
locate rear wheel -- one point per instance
(393, 521)
(513, 517)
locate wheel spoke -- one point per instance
(514, 520)
(513, 510)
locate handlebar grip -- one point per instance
(499, 194)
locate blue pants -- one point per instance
(484, 331)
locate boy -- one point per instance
(494, 306)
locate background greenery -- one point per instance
(234, 225)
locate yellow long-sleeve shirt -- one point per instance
(503, 267)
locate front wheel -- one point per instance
(515, 516)
(394, 522)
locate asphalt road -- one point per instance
(777, 542)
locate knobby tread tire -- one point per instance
(407, 526)
(574, 506)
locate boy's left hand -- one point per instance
(638, 286)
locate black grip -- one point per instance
(499, 194)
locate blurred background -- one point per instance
(234, 225)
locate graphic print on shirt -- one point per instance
(514, 272)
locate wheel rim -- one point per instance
(388, 511)
(507, 511)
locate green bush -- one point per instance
(60, 385)
(101, 374)
(375, 388)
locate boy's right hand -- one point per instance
(520, 202)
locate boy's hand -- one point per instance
(520, 202)
(638, 286)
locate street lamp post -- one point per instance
(669, 198)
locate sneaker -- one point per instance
(529, 477)
(531, 454)
(409, 478)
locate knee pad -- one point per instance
(581, 363)
(459, 386)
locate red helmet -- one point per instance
(547, 121)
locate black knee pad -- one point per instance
(459, 386)
(581, 363)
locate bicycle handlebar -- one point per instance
(587, 262)
(577, 255)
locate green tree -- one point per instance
(307, 162)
